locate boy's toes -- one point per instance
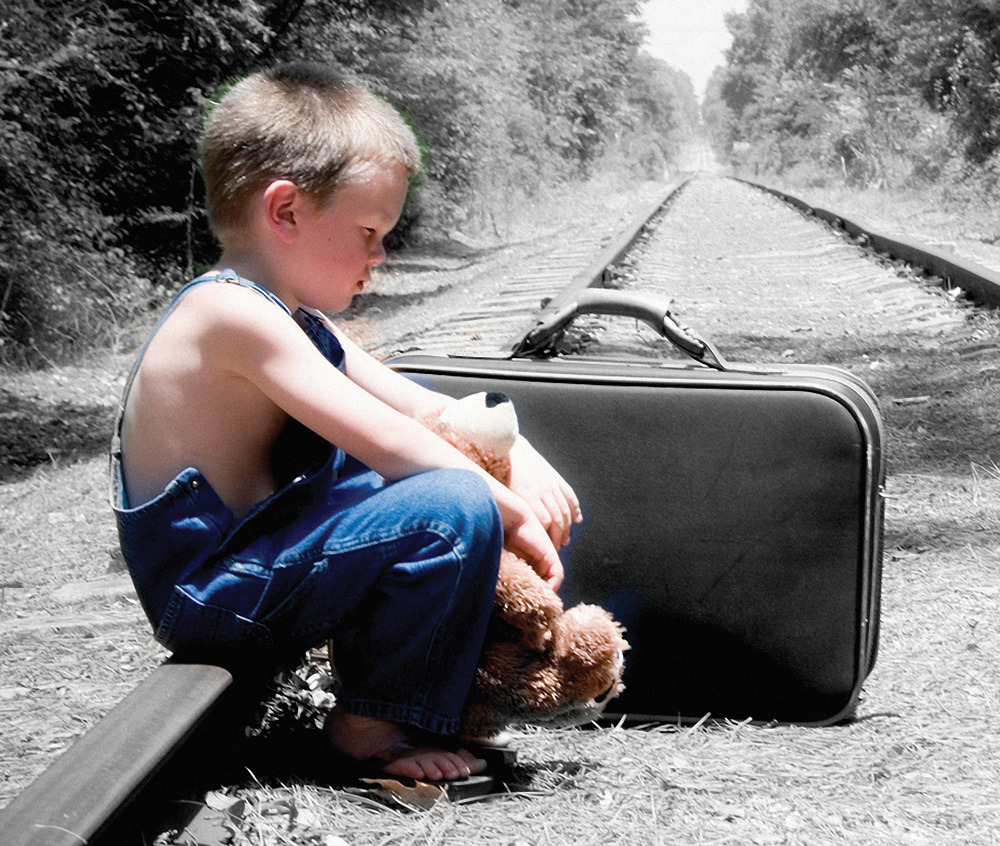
(474, 764)
(408, 767)
(455, 765)
(428, 764)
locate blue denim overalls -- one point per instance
(399, 576)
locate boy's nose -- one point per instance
(377, 255)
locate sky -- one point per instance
(690, 35)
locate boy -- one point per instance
(272, 486)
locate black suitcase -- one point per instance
(732, 515)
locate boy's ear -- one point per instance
(282, 199)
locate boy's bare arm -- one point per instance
(547, 493)
(395, 390)
(268, 349)
(550, 497)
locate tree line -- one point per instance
(100, 104)
(885, 93)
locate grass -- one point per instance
(920, 765)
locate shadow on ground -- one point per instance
(941, 406)
(34, 433)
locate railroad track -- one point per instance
(802, 284)
(809, 271)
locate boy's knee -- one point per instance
(463, 499)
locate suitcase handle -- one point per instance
(650, 309)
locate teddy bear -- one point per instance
(540, 664)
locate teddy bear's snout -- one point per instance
(616, 686)
(602, 699)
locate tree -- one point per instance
(717, 116)
(834, 83)
(964, 60)
(100, 105)
(664, 116)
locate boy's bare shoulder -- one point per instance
(216, 330)
(223, 313)
(227, 302)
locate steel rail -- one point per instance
(980, 284)
(595, 273)
(75, 800)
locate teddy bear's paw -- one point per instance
(568, 714)
(526, 605)
(494, 740)
(486, 722)
(537, 700)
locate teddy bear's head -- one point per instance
(486, 419)
(483, 427)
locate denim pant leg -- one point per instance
(401, 578)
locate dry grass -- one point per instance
(62, 666)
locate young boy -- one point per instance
(272, 486)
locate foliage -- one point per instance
(96, 105)
(717, 116)
(100, 105)
(886, 92)
(511, 97)
(664, 114)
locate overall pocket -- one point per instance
(192, 626)
(284, 589)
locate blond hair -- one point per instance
(300, 122)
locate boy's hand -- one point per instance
(528, 539)
(548, 495)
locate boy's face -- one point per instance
(341, 242)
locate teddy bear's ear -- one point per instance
(495, 398)
(487, 420)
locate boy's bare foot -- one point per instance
(366, 737)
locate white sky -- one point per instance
(690, 35)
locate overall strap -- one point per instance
(231, 276)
